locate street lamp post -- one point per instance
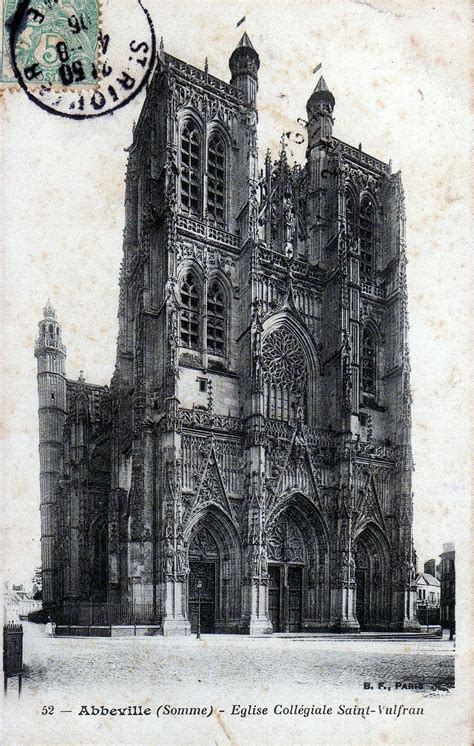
(451, 621)
(198, 633)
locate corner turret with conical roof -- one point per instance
(244, 64)
(320, 107)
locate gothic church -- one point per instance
(251, 457)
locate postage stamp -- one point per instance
(74, 58)
(52, 42)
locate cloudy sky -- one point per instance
(399, 73)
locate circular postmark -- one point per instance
(75, 58)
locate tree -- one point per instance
(37, 581)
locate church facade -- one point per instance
(251, 458)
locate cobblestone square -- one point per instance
(229, 661)
(237, 677)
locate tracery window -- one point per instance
(190, 168)
(189, 313)
(366, 232)
(216, 319)
(215, 178)
(350, 216)
(284, 541)
(369, 362)
(284, 375)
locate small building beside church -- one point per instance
(448, 586)
(428, 598)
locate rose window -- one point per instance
(284, 375)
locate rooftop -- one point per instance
(429, 579)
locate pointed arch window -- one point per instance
(189, 313)
(369, 362)
(216, 319)
(216, 178)
(190, 168)
(284, 373)
(350, 216)
(366, 232)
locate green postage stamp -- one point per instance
(50, 42)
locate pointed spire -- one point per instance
(160, 55)
(48, 311)
(284, 145)
(321, 85)
(245, 41)
(322, 92)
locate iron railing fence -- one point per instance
(106, 614)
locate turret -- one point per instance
(51, 355)
(320, 107)
(244, 64)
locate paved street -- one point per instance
(230, 675)
(232, 661)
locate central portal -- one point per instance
(285, 600)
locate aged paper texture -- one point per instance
(183, 493)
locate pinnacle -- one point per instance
(245, 41)
(48, 311)
(321, 85)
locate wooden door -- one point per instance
(206, 573)
(295, 597)
(274, 596)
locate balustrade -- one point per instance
(203, 229)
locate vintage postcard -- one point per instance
(236, 297)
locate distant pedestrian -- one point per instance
(49, 629)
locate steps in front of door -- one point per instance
(356, 636)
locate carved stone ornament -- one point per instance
(284, 541)
(283, 361)
(203, 545)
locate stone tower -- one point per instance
(254, 448)
(51, 355)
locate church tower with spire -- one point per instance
(50, 354)
(251, 460)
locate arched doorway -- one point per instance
(285, 569)
(214, 572)
(371, 553)
(298, 566)
(203, 580)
